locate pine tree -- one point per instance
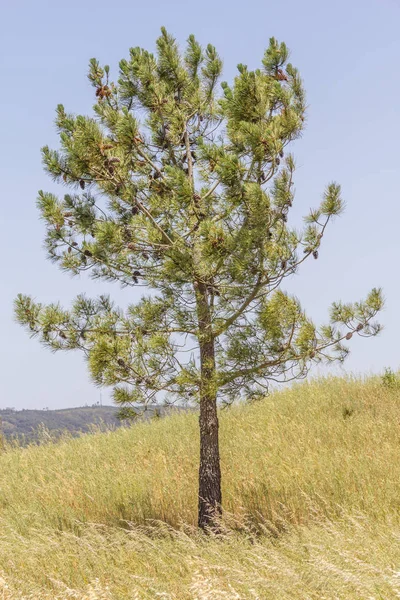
(186, 191)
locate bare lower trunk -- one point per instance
(209, 471)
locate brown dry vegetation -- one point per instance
(311, 489)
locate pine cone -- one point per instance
(104, 147)
(103, 92)
(281, 76)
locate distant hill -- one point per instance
(30, 425)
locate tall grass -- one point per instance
(311, 489)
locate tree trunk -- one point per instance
(209, 471)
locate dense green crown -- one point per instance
(173, 185)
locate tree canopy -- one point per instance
(183, 187)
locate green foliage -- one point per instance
(390, 379)
(175, 187)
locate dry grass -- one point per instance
(311, 486)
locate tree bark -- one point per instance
(209, 471)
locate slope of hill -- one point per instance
(310, 487)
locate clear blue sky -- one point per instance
(348, 54)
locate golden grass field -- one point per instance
(311, 489)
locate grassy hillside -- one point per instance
(311, 489)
